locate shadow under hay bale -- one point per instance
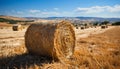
(16, 27)
(23, 61)
(51, 39)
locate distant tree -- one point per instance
(14, 21)
(95, 23)
(116, 23)
(85, 24)
(104, 22)
(3, 20)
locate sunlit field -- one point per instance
(95, 48)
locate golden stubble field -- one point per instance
(96, 48)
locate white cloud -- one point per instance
(19, 12)
(56, 9)
(34, 11)
(115, 8)
(94, 11)
(99, 9)
(50, 13)
(45, 10)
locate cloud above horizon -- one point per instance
(93, 11)
(99, 9)
(34, 11)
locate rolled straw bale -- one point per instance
(56, 39)
(16, 27)
(77, 27)
(103, 26)
(82, 27)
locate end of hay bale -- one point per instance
(65, 40)
(56, 40)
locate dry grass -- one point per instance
(4, 25)
(98, 51)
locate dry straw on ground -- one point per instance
(51, 39)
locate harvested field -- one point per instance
(100, 50)
(96, 48)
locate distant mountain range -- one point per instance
(99, 19)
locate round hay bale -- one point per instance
(51, 39)
(103, 26)
(82, 27)
(16, 27)
(77, 27)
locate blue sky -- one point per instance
(68, 8)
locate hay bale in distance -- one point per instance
(82, 27)
(17, 27)
(56, 40)
(103, 26)
(95, 26)
(77, 27)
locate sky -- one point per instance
(61, 8)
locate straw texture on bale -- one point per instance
(16, 27)
(51, 39)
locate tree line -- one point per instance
(106, 22)
(14, 21)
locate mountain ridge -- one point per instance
(99, 19)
